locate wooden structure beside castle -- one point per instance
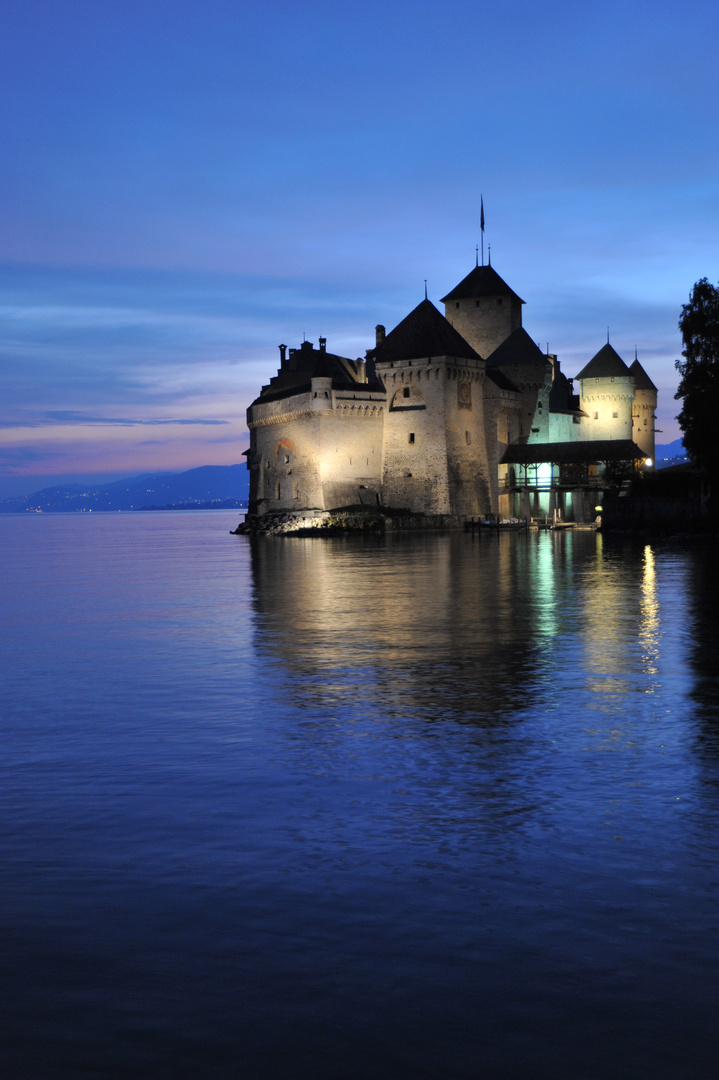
(458, 416)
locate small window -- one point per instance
(287, 459)
(499, 302)
(411, 436)
(406, 391)
(476, 303)
(596, 416)
(468, 438)
(457, 304)
(615, 415)
(612, 379)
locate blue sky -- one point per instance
(185, 185)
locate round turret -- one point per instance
(644, 409)
(322, 392)
(606, 393)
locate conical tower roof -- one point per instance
(641, 379)
(425, 332)
(518, 348)
(607, 364)
(482, 281)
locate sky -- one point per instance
(186, 185)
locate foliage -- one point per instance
(699, 370)
(617, 472)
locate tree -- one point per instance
(699, 370)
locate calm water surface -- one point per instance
(417, 807)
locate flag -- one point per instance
(481, 212)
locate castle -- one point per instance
(457, 417)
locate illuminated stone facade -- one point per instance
(458, 416)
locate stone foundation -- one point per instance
(343, 522)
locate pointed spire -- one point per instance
(425, 288)
(489, 254)
(481, 223)
(476, 255)
(607, 335)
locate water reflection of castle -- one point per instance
(457, 414)
(434, 624)
(482, 631)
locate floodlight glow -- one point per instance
(649, 463)
(598, 508)
(544, 475)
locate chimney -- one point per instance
(283, 354)
(379, 335)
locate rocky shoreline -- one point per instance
(342, 522)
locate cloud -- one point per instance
(19, 457)
(71, 417)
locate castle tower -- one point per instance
(483, 309)
(645, 404)
(522, 362)
(435, 453)
(606, 393)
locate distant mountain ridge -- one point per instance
(202, 487)
(672, 453)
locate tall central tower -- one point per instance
(483, 309)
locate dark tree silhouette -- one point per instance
(699, 370)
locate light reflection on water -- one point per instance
(429, 805)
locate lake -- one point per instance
(422, 806)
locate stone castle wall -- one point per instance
(608, 404)
(414, 474)
(502, 416)
(435, 458)
(645, 403)
(350, 453)
(310, 456)
(485, 322)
